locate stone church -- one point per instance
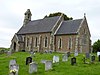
(53, 33)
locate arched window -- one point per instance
(45, 42)
(27, 42)
(60, 43)
(70, 43)
(36, 42)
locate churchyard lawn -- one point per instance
(61, 68)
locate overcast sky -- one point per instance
(12, 14)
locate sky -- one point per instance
(12, 14)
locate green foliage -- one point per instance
(4, 48)
(58, 14)
(96, 46)
(61, 68)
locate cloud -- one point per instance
(12, 14)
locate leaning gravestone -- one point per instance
(55, 59)
(48, 65)
(87, 55)
(14, 69)
(73, 61)
(76, 53)
(12, 62)
(28, 60)
(32, 67)
(65, 57)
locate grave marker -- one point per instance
(28, 60)
(68, 53)
(92, 58)
(43, 61)
(65, 57)
(32, 67)
(76, 53)
(12, 62)
(8, 53)
(55, 59)
(87, 55)
(14, 69)
(73, 61)
(98, 53)
(48, 65)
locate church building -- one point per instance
(52, 33)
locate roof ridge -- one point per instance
(72, 20)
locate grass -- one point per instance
(61, 68)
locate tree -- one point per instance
(58, 14)
(96, 46)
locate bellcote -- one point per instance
(27, 17)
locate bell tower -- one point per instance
(27, 17)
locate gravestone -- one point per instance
(43, 61)
(65, 57)
(23, 50)
(73, 61)
(92, 58)
(87, 55)
(12, 62)
(99, 57)
(14, 69)
(32, 54)
(48, 65)
(9, 53)
(28, 60)
(55, 59)
(50, 51)
(68, 53)
(46, 51)
(32, 67)
(98, 53)
(76, 53)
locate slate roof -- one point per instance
(41, 25)
(69, 27)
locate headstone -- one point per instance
(14, 69)
(32, 53)
(48, 65)
(73, 61)
(50, 51)
(76, 53)
(87, 55)
(43, 61)
(92, 58)
(23, 50)
(28, 60)
(65, 57)
(68, 53)
(12, 62)
(55, 59)
(98, 53)
(46, 51)
(32, 67)
(99, 57)
(9, 53)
